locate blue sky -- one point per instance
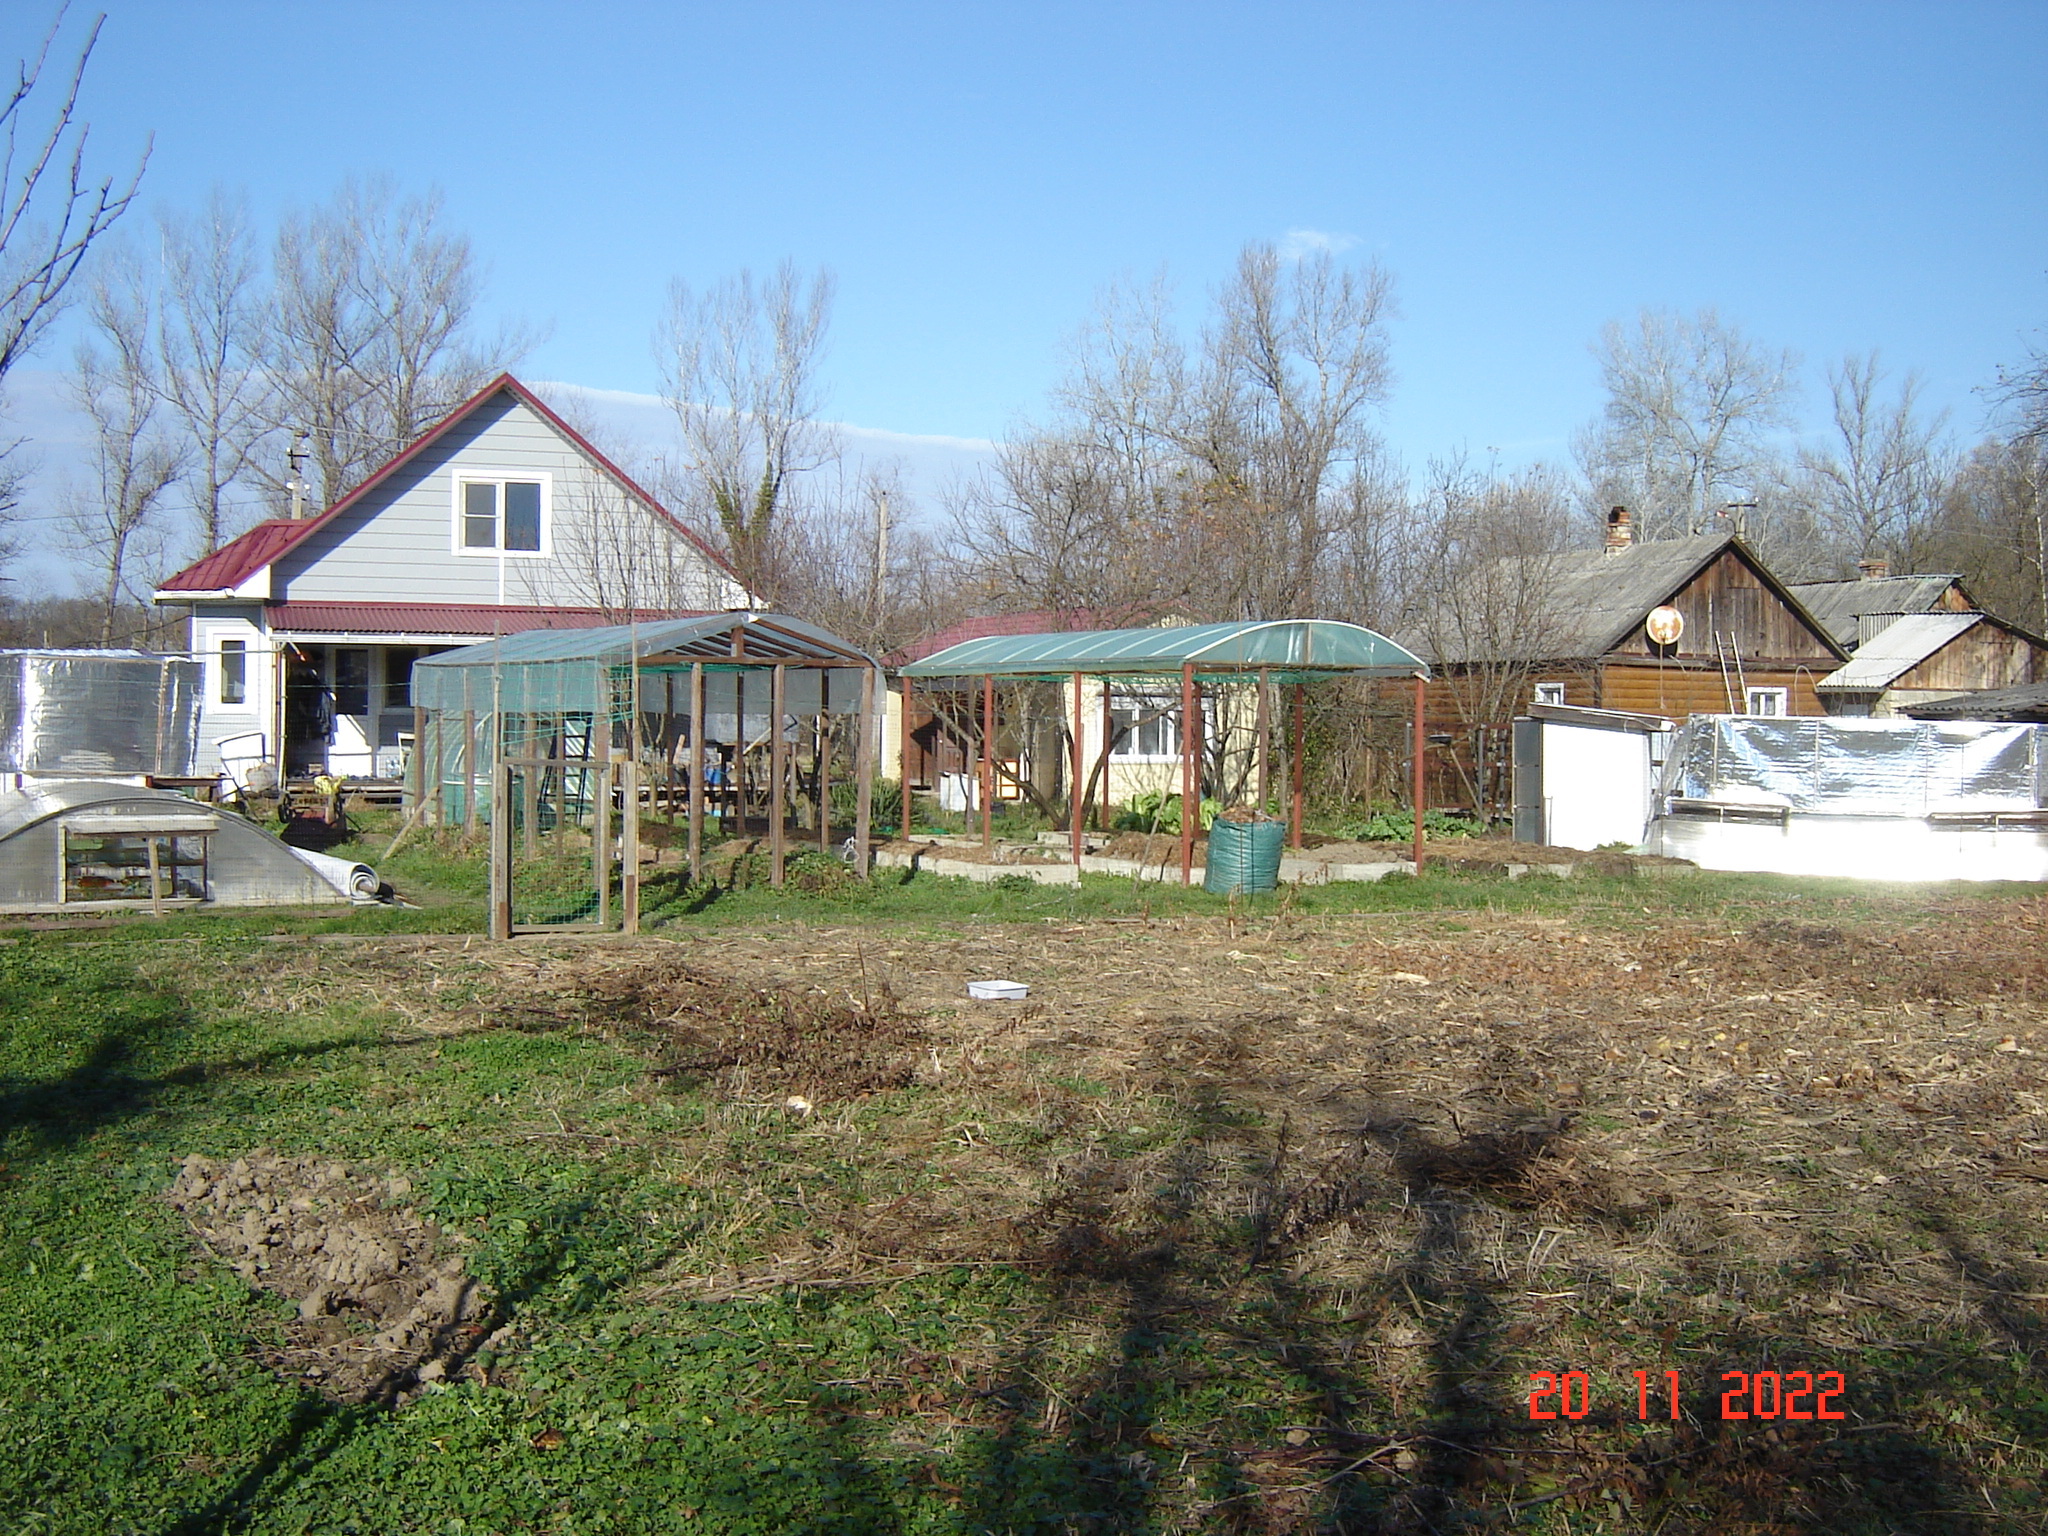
(1831, 176)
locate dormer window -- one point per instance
(506, 516)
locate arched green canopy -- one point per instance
(1285, 650)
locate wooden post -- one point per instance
(696, 772)
(1076, 807)
(864, 767)
(988, 762)
(469, 774)
(501, 854)
(739, 755)
(437, 770)
(629, 849)
(529, 800)
(419, 760)
(778, 768)
(1261, 746)
(1295, 776)
(1421, 747)
(903, 750)
(600, 839)
(156, 874)
(1189, 813)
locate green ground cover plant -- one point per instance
(1228, 1229)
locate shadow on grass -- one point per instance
(1368, 1455)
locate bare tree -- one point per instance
(371, 328)
(1490, 610)
(838, 572)
(210, 343)
(2023, 392)
(1217, 477)
(1691, 404)
(51, 208)
(1879, 481)
(740, 368)
(1993, 529)
(132, 459)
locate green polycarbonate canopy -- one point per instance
(1286, 650)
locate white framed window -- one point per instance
(503, 514)
(234, 672)
(1145, 726)
(1765, 701)
(1550, 693)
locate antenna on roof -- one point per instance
(296, 460)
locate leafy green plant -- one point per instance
(1156, 811)
(1396, 826)
(885, 809)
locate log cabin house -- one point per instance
(1675, 627)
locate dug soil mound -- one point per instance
(383, 1306)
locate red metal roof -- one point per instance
(1044, 621)
(238, 559)
(481, 619)
(236, 562)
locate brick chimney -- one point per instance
(1873, 568)
(1620, 533)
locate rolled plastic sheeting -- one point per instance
(358, 882)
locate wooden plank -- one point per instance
(629, 849)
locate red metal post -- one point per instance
(1189, 810)
(988, 762)
(1421, 746)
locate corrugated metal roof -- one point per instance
(1902, 646)
(2026, 703)
(240, 558)
(1290, 647)
(1839, 604)
(443, 618)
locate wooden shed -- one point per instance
(1924, 657)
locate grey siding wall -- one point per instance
(398, 545)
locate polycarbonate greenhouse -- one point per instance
(575, 694)
(84, 845)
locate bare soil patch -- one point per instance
(383, 1303)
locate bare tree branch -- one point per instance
(51, 209)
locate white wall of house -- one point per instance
(241, 672)
(411, 540)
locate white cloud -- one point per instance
(1297, 243)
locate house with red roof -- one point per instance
(500, 518)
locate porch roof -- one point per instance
(1286, 650)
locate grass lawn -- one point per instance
(1255, 1217)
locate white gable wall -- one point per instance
(600, 548)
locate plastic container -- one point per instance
(1244, 856)
(997, 991)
